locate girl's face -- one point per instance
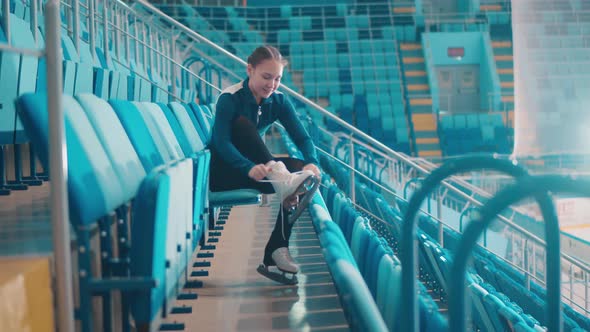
(265, 78)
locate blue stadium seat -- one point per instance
(18, 75)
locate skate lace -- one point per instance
(282, 177)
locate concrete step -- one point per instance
(408, 60)
(429, 153)
(415, 73)
(410, 46)
(508, 57)
(490, 8)
(421, 101)
(501, 44)
(429, 137)
(404, 10)
(422, 88)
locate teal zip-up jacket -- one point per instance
(238, 100)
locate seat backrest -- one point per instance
(204, 134)
(191, 132)
(18, 75)
(148, 252)
(205, 119)
(160, 131)
(363, 312)
(138, 132)
(479, 313)
(116, 142)
(383, 279)
(177, 129)
(93, 185)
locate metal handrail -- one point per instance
(354, 6)
(584, 266)
(58, 168)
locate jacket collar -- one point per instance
(250, 95)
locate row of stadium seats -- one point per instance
(363, 264)
(125, 144)
(350, 74)
(106, 74)
(464, 133)
(525, 302)
(508, 306)
(120, 151)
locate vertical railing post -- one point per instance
(127, 35)
(172, 68)
(91, 26)
(105, 35)
(58, 162)
(586, 290)
(441, 229)
(145, 52)
(33, 14)
(76, 25)
(136, 40)
(352, 171)
(6, 20)
(571, 282)
(117, 33)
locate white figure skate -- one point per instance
(282, 260)
(295, 189)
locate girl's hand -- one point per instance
(259, 172)
(312, 167)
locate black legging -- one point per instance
(223, 176)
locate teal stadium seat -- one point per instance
(96, 189)
(15, 68)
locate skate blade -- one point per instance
(304, 200)
(278, 277)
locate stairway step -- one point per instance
(423, 122)
(410, 46)
(404, 10)
(430, 140)
(503, 51)
(412, 54)
(407, 60)
(501, 44)
(508, 99)
(419, 80)
(416, 73)
(418, 87)
(426, 134)
(507, 85)
(428, 147)
(506, 71)
(419, 66)
(429, 153)
(507, 57)
(421, 109)
(421, 101)
(490, 8)
(504, 65)
(506, 78)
